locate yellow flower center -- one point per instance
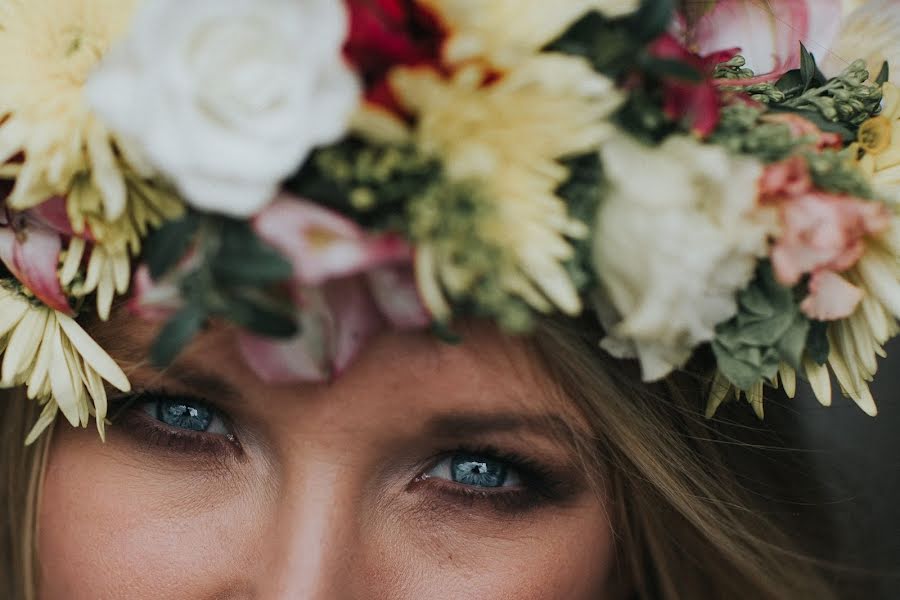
(875, 135)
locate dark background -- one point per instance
(859, 459)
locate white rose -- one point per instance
(228, 97)
(677, 237)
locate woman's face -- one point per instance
(425, 471)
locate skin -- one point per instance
(322, 495)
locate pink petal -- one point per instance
(154, 300)
(32, 255)
(355, 317)
(397, 296)
(53, 214)
(335, 322)
(769, 33)
(831, 297)
(322, 244)
(304, 357)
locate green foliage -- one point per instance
(847, 99)
(741, 131)
(832, 171)
(768, 330)
(582, 193)
(817, 345)
(884, 75)
(168, 244)
(236, 277)
(618, 45)
(371, 183)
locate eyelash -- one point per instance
(540, 484)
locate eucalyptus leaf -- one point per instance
(793, 342)
(808, 67)
(652, 19)
(261, 318)
(884, 75)
(671, 69)
(168, 244)
(177, 334)
(817, 345)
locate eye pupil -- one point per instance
(478, 471)
(192, 417)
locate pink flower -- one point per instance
(349, 285)
(786, 179)
(824, 232)
(769, 33)
(831, 297)
(31, 250)
(696, 103)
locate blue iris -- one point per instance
(182, 415)
(478, 471)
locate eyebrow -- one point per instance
(554, 427)
(201, 380)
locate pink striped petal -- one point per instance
(355, 317)
(52, 213)
(831, 297)
(32, 255)
(301, 358)
(769, 33)
(153, 300)
(322, 244)
(397, 296)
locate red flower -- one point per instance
(388, 33)
(695, 103)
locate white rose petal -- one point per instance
(678, 236)
(228, 97)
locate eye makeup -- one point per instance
(475, 476)
(177, 424)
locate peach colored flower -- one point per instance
(824, 232)
(786, 179)
(831, 297)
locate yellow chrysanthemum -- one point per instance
(58, 363)
(880, 142)
(506, 31)
(48, 48)
(508, 137)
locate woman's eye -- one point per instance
(476, 471)
(186, 415)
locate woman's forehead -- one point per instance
(411, 376)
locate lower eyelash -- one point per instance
(159, 435)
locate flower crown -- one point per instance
(316, 170)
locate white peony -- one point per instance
(677, 237)
(228, 97)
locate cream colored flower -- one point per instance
(47, 50)
(506, 31)
(871, 31)
(677, 237)
(227, 98)
(508, 137)
(880, 140)
(58, 363)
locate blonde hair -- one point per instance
(687, 525)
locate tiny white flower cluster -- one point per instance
(228, 98)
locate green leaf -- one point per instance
(790, 81)
(259, 316)
(168, 244)
(793, 342)
(673, 69)
(742, 374)
(817, 346)
(808, 67)
(652, 19)
(443, 332)
(177, 333)
(243, 259)
(884, 75)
